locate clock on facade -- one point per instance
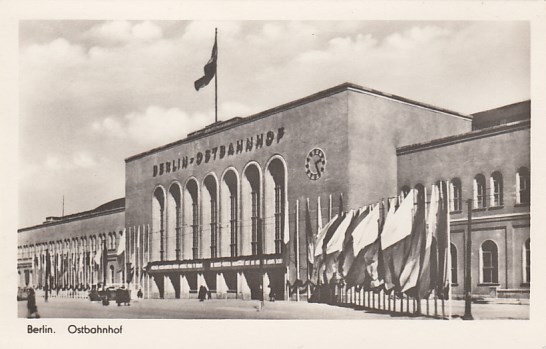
(315, 163)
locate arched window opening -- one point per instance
(489, 262)
(455, 203)
(523, 186)
(275, 206)
(192, 209)
(496, 189)
(479, 192)
(404, 191)
(230, 214)
(174, 221)
(251, 208)
(210, 215)
(158, 219)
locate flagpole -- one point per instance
(307, 221)
(216, 79)
(449, 276)
(297, 233)
(125, 258)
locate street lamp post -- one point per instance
(468, 278)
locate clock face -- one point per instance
(315, 164)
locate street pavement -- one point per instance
(239, 309)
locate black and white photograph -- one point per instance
(265, 169)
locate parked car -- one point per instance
(22, 293)
(116, 293)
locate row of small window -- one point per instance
(94, 242)
(489, 263)
(480, 197)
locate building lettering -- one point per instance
(219, 152)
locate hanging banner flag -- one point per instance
(429, 261)
(210, 68)
(98, 256)
(121, 244)
(410, 273)
(286, 225)
(397, 228)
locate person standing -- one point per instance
(31, 305)
(202, 293)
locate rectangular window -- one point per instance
(278, 218)
(177, 229)
(524, 192)
(195, 230)
(161, 234)
(487, 267)
(233, 225)
(255, 222)
(457, 198)
(213, 229)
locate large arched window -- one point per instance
(112, 274)
(527, 261)
(275, 205)
(453, 251)
(496, 186)
(523, 186)
(174, 224)
(230, 214)
(455, 203)
(251, 193)
(191, 216)
(489, 263)
(479, 191)
(158, 220)
(209, 211)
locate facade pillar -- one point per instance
(168, 291)
(243, 290)
(221, 286)
(184, 287)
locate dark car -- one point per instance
(94, 296)
(119, 294)
(22, 293)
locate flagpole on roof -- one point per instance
(216, 79)
(209, 73)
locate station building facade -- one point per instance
(487, 171)
(224, 207)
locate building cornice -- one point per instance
(465, 137)
(493, 218)
(77, 218)
(229, 124)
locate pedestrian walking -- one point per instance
(202, 293)
(31, 305)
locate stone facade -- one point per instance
(225, 207)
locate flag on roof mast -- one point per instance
(210, 68)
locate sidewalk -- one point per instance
(238, 309)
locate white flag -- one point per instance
(321, 235)
(335, 243)
(98, 256)
(121, 245)
(367, 231)
(399, 225)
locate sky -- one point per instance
(92, 93)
